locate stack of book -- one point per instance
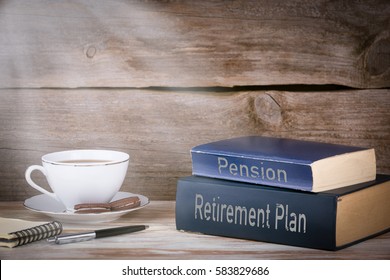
(286, 191)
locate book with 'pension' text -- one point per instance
(328, 220)
(288, 163)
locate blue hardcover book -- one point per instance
(288, 163)
(328, 220)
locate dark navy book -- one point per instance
(328, 220)
(288, 163)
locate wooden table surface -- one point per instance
(162, 241)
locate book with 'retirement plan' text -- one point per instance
(288, 163)
(328, 220)
(17, 232)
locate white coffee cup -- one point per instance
(82, 176)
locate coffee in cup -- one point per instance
(82, 176)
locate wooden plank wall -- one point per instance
(154, 78)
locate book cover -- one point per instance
(17, 232)
(288, 163)
(328, 220)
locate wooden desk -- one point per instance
(163, 241)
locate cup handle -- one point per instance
(29, 170)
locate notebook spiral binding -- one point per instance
(37, 233)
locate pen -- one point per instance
(85, 236)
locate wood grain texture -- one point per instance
(159, 127)
(190, 44)
(163, 241)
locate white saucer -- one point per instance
(49, 206)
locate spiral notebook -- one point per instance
(17, 232)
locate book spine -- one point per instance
(252, 170)
(239, 210)
(36, 233)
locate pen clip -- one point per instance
(71, 238)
